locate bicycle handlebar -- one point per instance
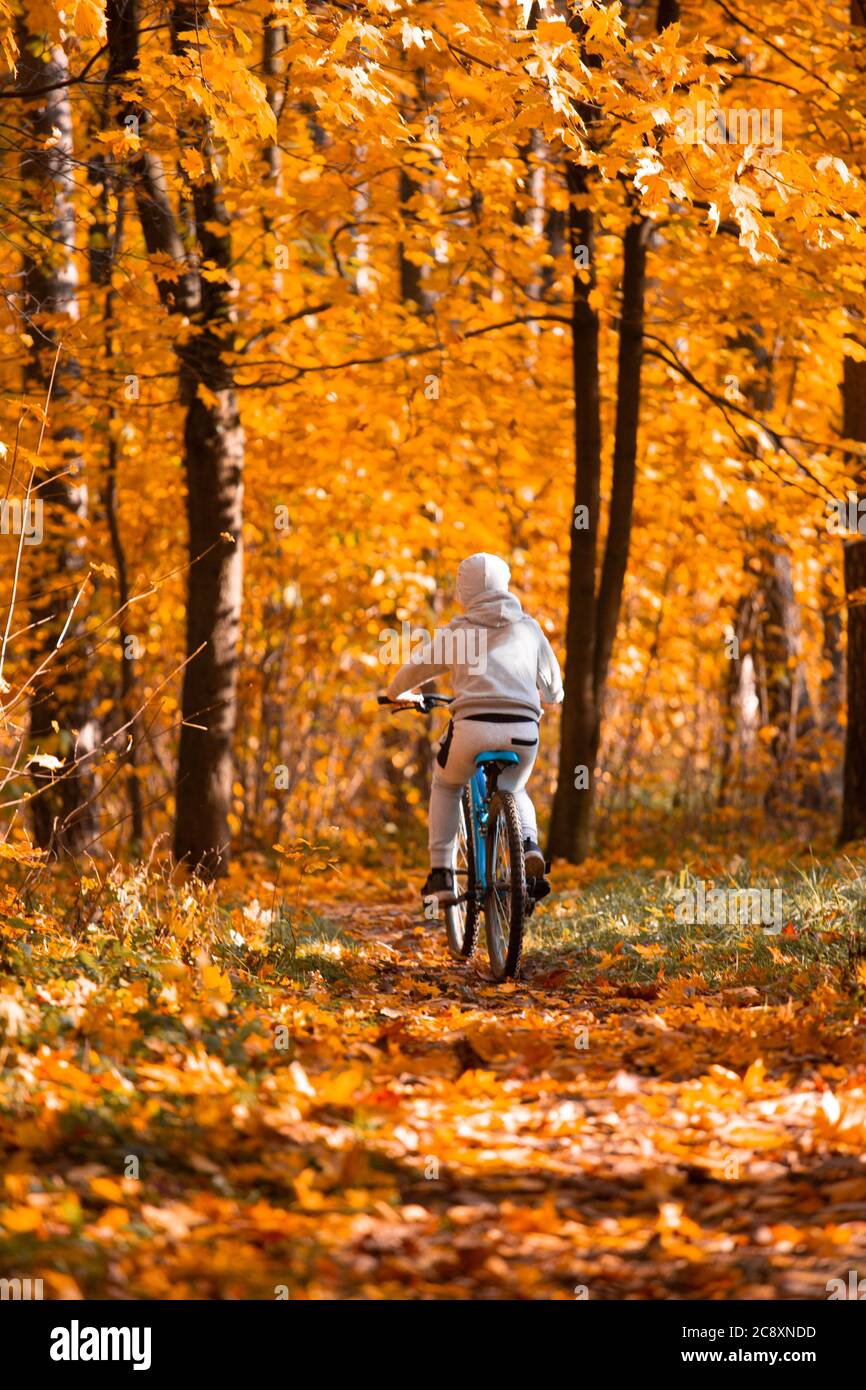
(425, 704)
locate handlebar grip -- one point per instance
(423, 704)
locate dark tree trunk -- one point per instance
(832, 694)
(593, 616)
(213, 461)
(213, 465)
(854, 778)
(412, 292)
(411, 180)
(412, 277)
(127, 657)
(854, 427)
(592, 620)
(854, 785)
(60, 717)
(571, 819)
(625, 444)
(104, 246)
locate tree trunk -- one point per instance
(740, 673)
(571, 819)
(854, 777)
(668, 13)
(274, 41)
(214, 458)
(104, 246)
(832, 694)
(213, 463)
(273, 44)
(789, 707)
(60, 717)
(854, 785)
(213, 467)
(625, 444)
(127, 657)
(854, 427)
(592, 619)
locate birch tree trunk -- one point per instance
(60, 714)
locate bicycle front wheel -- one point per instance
(461, 921)
(505, 898)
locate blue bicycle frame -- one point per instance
(480, 797)
(479, 790)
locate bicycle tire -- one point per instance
(462, 921)
(505, 909)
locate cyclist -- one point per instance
(499, 661)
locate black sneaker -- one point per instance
(534, 860)
(439, 885)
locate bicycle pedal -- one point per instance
(536, 889)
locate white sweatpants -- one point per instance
(470, 738)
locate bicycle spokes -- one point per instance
(461, 870)
(505, 896)
(461, 918)
(499, 891)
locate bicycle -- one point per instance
(489, 867)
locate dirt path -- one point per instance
(189, 1110)
(562, 1137)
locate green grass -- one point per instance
(302, 943)
(823, 935)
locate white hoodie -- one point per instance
(497, 658)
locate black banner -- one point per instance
(66, 1339)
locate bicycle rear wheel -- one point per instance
(505, 899)
(461, 921)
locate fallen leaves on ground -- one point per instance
(215, 1100)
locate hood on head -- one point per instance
(482, 591)
(480, 574)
